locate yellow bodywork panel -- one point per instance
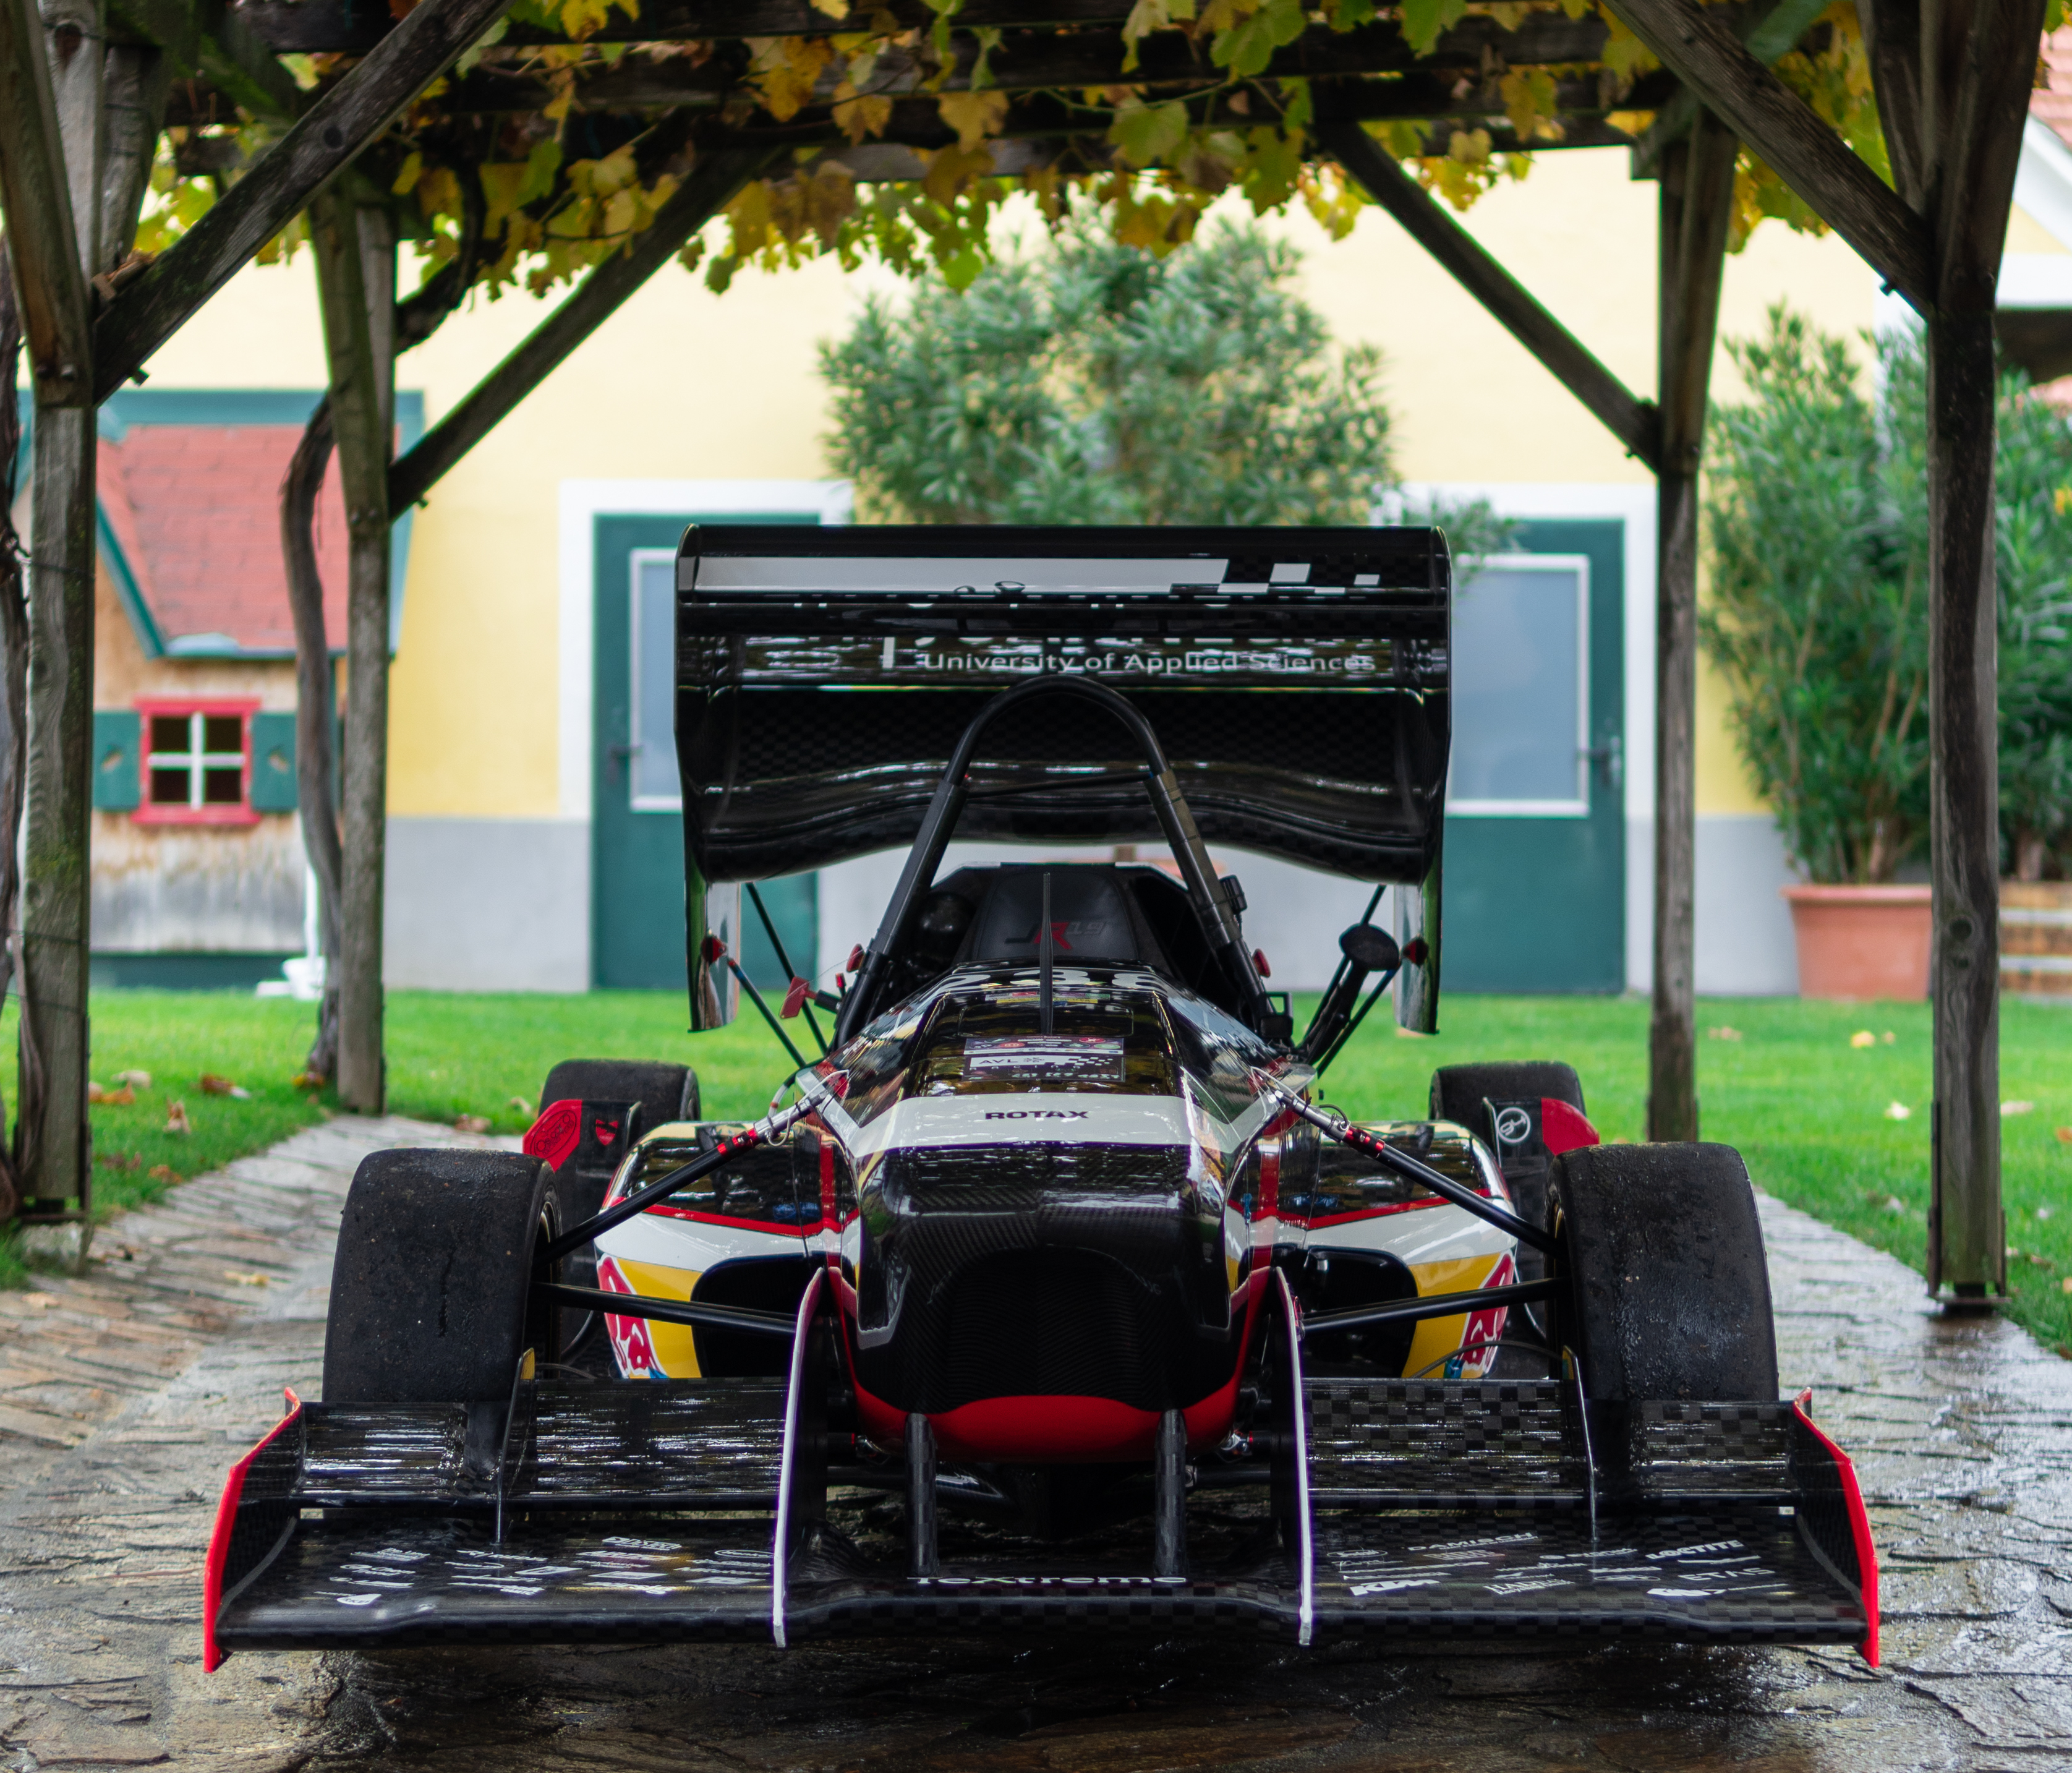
(675, 1352)
(1437, 1338)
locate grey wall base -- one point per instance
(487, 905)
(1746, 947)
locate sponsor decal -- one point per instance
(1036, 1114)
(1513, 1125)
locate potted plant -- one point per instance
(1818, 524)
(1816, 619)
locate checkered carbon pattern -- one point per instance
(645, 1446)
(1409, 1438)
(1678, 1449)
(1724, 1576)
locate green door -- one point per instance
(1534, 889)
(637, 820)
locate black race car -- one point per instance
(1049, 1291)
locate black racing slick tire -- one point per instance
(1459, 1092)
(431, 1292)
(1667, 1292)
(664, 1092)
(1464, 1094)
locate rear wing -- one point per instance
(1297, 677)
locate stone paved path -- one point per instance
(1962, 1430)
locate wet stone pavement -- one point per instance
(1962, 1430)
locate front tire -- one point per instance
(431, 1296)
(1668, 1290)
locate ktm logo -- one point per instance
(1037, 1114)
(1060, 928)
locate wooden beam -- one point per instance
(709, 188)
(322, 141)
(205, 40)
(1632, 422)
(355, 254)
(36, 194)
(343, 27)
(1892, 37)
(1770, 36)
(1978, 59)
(1701, 50)
(1695, 203)
(135, 77)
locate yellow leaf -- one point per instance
(858, 118)
(974, 116)
(834, 9)
(1529, 100)
(950, 170)
(406, 180)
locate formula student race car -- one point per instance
(1052, 1292)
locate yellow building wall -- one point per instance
(684, 384)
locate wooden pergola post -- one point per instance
(355, 253)
(65, 115)
(1696, 187)
(1966, 81)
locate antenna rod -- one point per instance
(1044, 948)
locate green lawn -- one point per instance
(1809, 1110)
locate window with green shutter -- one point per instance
(273, 762)
(116, 732)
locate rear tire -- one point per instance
(1668, 1293)
(664, 1092)
(1459, 1094)
(431, 1298)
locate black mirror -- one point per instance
(1369, 949)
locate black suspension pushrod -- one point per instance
(784, 960)
(1434, 1304)
(702, 1164)
(686, 1311)
(1359, 1016)
(776, 1027)
(1401, 1163)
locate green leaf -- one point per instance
(1145, 134)
(1423, 20)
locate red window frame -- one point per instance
(244, 707)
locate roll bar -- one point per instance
(1212, 906)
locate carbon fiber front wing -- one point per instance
(703, 1509)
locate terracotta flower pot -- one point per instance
(1857, 943)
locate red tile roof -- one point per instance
(195, 509)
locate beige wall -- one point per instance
(683, 384)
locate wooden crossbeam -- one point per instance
(710, 187)
(1770, 36)
(1632, 421)
(341, 27)
(324, 139)
(1701, 50)
(48, 277)
(1035, 62)
(205, 40)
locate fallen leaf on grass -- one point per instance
(121, 1098)
(1898, 1111)
(1894, 1204)
(2065, 1135)
(1723, 1033)
(213, 1084)
(164, 1172)
(1887, 1037)
(137, 1080)
(2007, 1109)
(116, 1160)
(2065, 1286)
(242, 1279)
(523, 1106)
(470, 1123)
(2043, 1213)
(1862, 1037)
(307, 1080)
(176, 1116)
